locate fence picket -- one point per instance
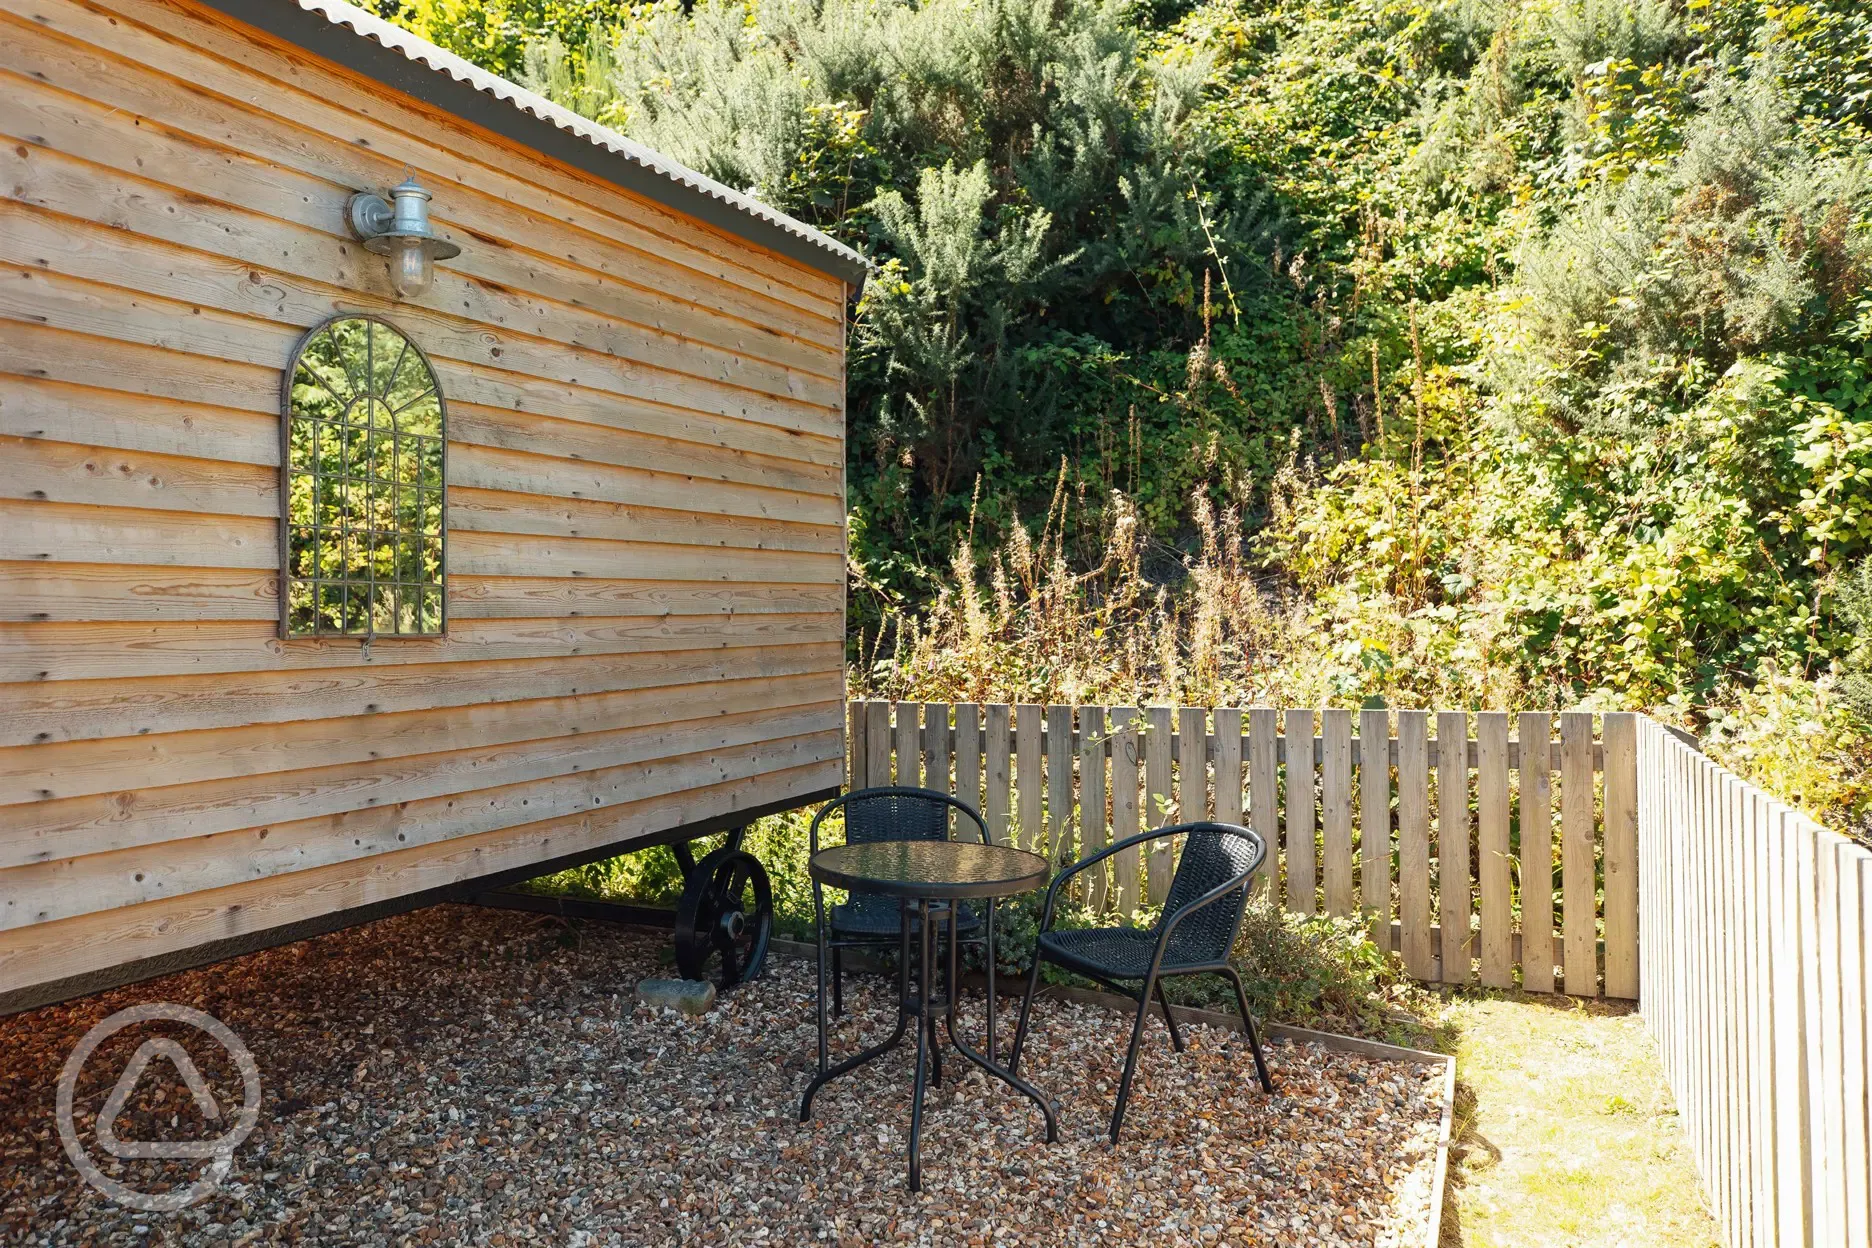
(1497, 898)
(1124, 786)
(1302, 878)
(1059, 765)
(1790, 1045)
(1028, 774)
(1755, 852)
(1092, 838)
(1728, 1020)
(1374, 769)
(1335, 809)
(1824, 1075)
(968, 762)
(854, 742)
(1851, 863)
(855, 745)
(1157, 797)
(1228, 765)
(1579, 903)
(999, 760)
(1621, 854)
(936, 747)
(1455, 899)
(1535, 732)
(1856, 884)
(1264, 791)
(907, 742)
(1413, 798)
(878, 742)
(1192, 765)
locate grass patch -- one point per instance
(1566, 1134)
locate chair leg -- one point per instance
(1131, 1056)
(1176, 1037)
(1254, 1040)
(838, 984)
(1020, 1029)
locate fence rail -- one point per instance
(1756, 981)
(1471, 864)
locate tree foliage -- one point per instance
(1527, 343)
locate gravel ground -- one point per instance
(471, 1076)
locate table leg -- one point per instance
(828, 1073)
(994, 1054)
(925, 955)
(988, 1063)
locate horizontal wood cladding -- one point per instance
(70, 887)
(645, 519)
(722, 716)
(81, 710)
(110, 651)
(305, 107)
(117, 765)
(52, 951)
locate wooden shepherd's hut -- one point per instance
(405, 485)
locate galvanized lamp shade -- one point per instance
(400, 230)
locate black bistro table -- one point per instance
(929, 879)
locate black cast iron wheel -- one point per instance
(726, 913)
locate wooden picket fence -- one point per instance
(1756, 980)
(1445, 841)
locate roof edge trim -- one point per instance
(401, 61)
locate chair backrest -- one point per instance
(895, 813)
(1213, 854)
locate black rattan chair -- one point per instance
(887, 813)
(1201, 919)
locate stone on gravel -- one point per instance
(686, 996)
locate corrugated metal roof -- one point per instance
(393, 56)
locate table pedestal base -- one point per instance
(924, 1007)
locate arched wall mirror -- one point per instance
(364, 479)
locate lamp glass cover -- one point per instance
(411, 269)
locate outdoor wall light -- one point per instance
(400, 230)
